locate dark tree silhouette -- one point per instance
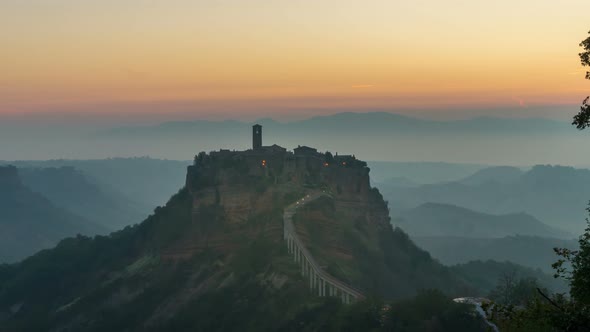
(582, 119)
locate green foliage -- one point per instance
(169, 223)
(578, 275)
(511, 290)
(554, 312)
(582, 119)
(485, 275)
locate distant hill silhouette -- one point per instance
(140, 183)
(434, 219)
(534, 252)
(556, 195)
(417, 173)
(72, 190)
(497, 174)
(372, 136)
(29, 222)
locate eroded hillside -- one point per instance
(214, 256)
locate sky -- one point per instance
(291, 58)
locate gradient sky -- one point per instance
(227, 58)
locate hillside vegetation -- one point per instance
(214, 259)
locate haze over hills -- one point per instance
(497, 174)
(434, 219)
(555, 195)
(108, 195)
(373, 136)
(412, 174)
(29, 222)
(142, 182)
(530, 251)
(220, 242)
(72, 190)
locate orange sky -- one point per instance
(71, 55)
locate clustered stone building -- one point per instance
(303, 166)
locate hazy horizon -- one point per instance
(374, 136)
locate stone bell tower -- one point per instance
(256, 136)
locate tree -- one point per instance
(513, 291)
(582, 119)
(574, 266)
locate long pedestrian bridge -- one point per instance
(319, 280)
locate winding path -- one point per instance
(319, 280)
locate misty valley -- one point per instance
(294, 166)
(326, 238)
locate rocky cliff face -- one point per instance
(343, 232)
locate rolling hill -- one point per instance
(29, 222)
(218, 244)
(530, 251)
(434, 219)
(71, 190)
(555, 195)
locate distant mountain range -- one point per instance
(72, 190)
(434, 219)
(375, 136)
(534, 252)
(30, 222)
(378, 136)
(139, 183)
(497, 174)
(374, 122)
(67, 197)
(555, 195)
(413, 174)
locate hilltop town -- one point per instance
(304, 166)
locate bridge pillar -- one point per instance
(303, 268)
